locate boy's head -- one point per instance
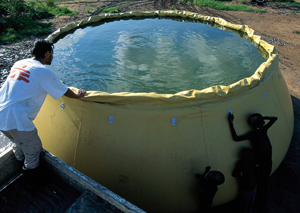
(43, 49)
(256, 120)
(215, 177)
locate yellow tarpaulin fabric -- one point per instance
(147, 147)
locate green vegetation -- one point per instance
(289, 2)
(295, 4)
(296, 31)
(89, 6)
(23, 31)
(48, 8)
(223, 6)
(285, 1)
(219, 5)
(110, 10)
(62, 11)
(18, 19)
(88, 9)
(130, 2)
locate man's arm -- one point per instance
(77, 95)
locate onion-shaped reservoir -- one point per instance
(156, 112)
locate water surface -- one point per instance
(153, 55)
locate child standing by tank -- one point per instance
(246, 170)
(262, 146)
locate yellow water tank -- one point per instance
(147, 147)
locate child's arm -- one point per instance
(271, 122)
(233, 133)
(200, 178)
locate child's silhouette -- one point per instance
(208, 182)
(262, 146)
(246, 170)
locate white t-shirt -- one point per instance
(24, 92)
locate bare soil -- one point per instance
(277, 27)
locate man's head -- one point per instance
(43, 51)
(256, 120)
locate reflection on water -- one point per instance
(153, 55)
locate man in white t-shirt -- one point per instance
(21, 98)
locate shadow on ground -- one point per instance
(284, 192)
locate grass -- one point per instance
(62, 11)
(130, 2)
(223, 6)
(88, 9)
(295, 4)
(28, 27)
(296, 31)
(290, 2)
(48, 8)
(110, 9)
(285, 1)
(18, 23)
(89, 6)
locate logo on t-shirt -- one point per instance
(20, 74)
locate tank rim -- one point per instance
(268, 51)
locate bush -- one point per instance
(50, 3)
(38, 10)
(17, 18)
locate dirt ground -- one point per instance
(276, 27)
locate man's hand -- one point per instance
(70, 94)
(80, 93)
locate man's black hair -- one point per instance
(41, 47)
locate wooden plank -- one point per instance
(82, 183)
